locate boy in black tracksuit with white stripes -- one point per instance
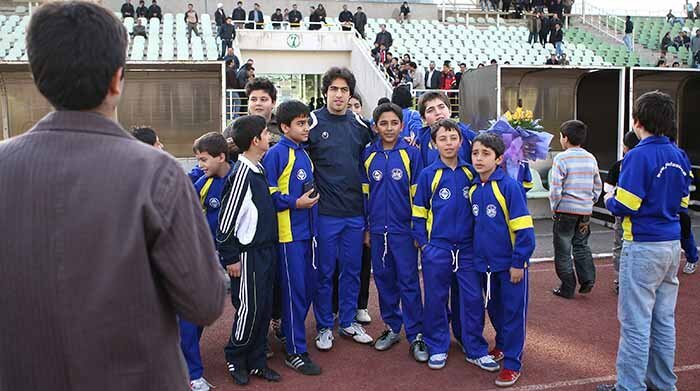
(247, 243)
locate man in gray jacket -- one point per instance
(695, 47)
(103, 241)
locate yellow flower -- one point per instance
(518, 115)
(529, 115)
(508, 116)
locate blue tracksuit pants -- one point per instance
(438, 273)
(395, 266)
(190, 335)
(472, 312)
(507, 309)
(297, 281)
(339, 238)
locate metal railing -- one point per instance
(236, 104)
(603, 20)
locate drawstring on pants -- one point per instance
(455, 259)
(488, 290)
(386, 248)
(313, 252)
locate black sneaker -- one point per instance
(266, 373)
(302, 363)
(239, 375)
(617, 287)
(605, 387)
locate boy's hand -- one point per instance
(234, 270)
(367, 241)
(305, 201)
(516, 275)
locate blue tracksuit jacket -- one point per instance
(209, 190)
(429, 152)
(412, 123)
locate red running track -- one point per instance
(571, 345)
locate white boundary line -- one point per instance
(581, 382)
(551, 259)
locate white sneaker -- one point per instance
(689, 267)
(200, 384)
(486, 363)
(363, 317)
(357, 333)
(324, 339)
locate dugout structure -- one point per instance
(180, 100)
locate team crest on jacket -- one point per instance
(301, 174)
(475, 210)
(377, 175)
(445, 193)
(324, 135)
(491, 210)
(465, 192)
(214, 203)
(396, 174)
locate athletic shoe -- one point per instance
(362, 316)
(497, 354)
(437, 361)
(605, 387)
(302, 363)
(690, 267)
(200, 384)
(486, 363)
(419, 350)
(324, 340)
(357, 333)
(507, 378)
(616, 287)
(586, 287)
(239, 375)
(266, 373)
(387, 340)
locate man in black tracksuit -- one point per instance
(227, 34)
(247, 239)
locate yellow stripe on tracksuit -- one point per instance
(203, 192)
(517, 223)
(628, 199)
(407, 165)
(284, 221)
(433, 187)
(368, 162)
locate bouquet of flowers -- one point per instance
(524, 137)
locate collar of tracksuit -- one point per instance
(497, 176)
(440, 164)
(289, 143)
(378, 147)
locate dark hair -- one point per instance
(656, 112)
(575, 131)
(264, 84)
(462, 64)
(413, 65)
(75, 49)
(387, 108)
(246, 129)
(290, 110)
(491, 141)
(493, 61)
(359, 99)
(630, 140)
(338, 73)
(145, 134)
(448, 124)
(428, 96)
(212, 143)
(402, 96)
(383, 100)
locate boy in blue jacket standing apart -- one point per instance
(504, 240)
(391, 170)
(289, 172)
(442, 200)
(651, 192)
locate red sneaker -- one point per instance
(497, 354)
(507, 378)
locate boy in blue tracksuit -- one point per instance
(289, 172)
(504, 240)
(391, 170)
(442, 226)
(433, 107)
(211, 151)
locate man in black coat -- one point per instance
(384, 37)
(219, 18)
(128, 10)
(432, 77)
(544, 30)
(256, 18)
(314, 19)
(346, 18)
(154, 11)
(227, 35)
(238, 15)
(142, 10)
(294, 17)
(360, 21)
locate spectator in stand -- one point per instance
(458, 75)
(629, 28)
(689, 10)
(480, 65)
(360, 21)
(404, 12)
(321, 10)
(277, 19)
(154, 11)
(676, 64)
(506, 6)
(544, 28)
(661, 63)
(666, 41)
(285, 15)
(227, 34)
(670, 18)
(558, 8)
(192, 19)
(406, 58)
(552, 60)
(567, 5)
(485, 5)
(417, 76)
(697, 9)
(230, 56)
(494, 4)
(142, 10)
(231, 82)
(384, 37)
(245, 74)
(432, 77)
(238, 15)
(681, 40)
(256, 18)
(295, 17)
(346, 18)
(493, 62)
(314, 19)
(447, 77)
(564, 60)
(219, 18)
(139, 29)
(556, 38)
(380, 54)
(128, 10)
(695, 48)
(534, 24)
